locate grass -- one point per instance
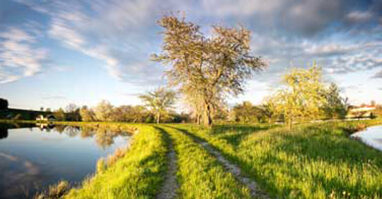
(311, 161)
(137, 174)
(199, 174)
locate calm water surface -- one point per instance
(372, 136)
(31, 158)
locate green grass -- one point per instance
(138, 174)
(199, 174)
(311, 161)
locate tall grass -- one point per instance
(137, 174)
(199, 174)
(311, 161)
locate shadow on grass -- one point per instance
(324, 144)
(234, 134)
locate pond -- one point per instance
(32, 158)
(372, 136)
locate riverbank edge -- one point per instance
(144, 162)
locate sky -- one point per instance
(53, 53)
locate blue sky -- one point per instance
(57, 52)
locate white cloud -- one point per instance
(110, 31)
(18, 57)
(359, 16)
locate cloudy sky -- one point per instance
(57, 52)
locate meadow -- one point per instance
(309, 161)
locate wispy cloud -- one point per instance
(18, 56)
(109, 31)
(378, 75)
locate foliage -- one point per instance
(303, 97)
(247, 113)
(159, 102)
(312, 161)
(72, 113)
(103, 111)
(206, 68)
(87, 115)
(59, 114)
(335, 106)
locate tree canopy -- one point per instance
(159, 101)
(205, 69)
(303, 96)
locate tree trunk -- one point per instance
(158, 118)
(290, 121)
(198, 119)
(207, 115)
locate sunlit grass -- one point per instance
(138, 174)
(200, 175)
(311, 161)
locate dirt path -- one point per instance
(170, 185)
(255, 190)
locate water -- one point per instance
(372, 136)
(32, 158)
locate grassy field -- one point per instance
(137, 174)
(311, 161)
(199, 173)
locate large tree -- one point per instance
(206, 67)
(303, 96)
(159, 102)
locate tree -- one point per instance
(3, 104)
(87, 114)
(336, 106)
(159, 102)
(104, 111)
(206, 67)
(303, 97)
(245, 112)
(59, 114)
(72, 112)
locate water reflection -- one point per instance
(35, 156)
(372, 136)
(3, 132)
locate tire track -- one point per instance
(254, 188)
(170, 184)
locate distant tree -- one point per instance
(159, 102)
(138, 114)
(303, 97)
(72, 112)
(335, 106)
(59, 114)
(3, 104)
(245, 112)
(41, 108)
(87, 115)
(104, 111)
(205, 69)
(268, 110)
(48, 110)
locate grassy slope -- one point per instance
(199, 174)
(138, 174)
(312, 161)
